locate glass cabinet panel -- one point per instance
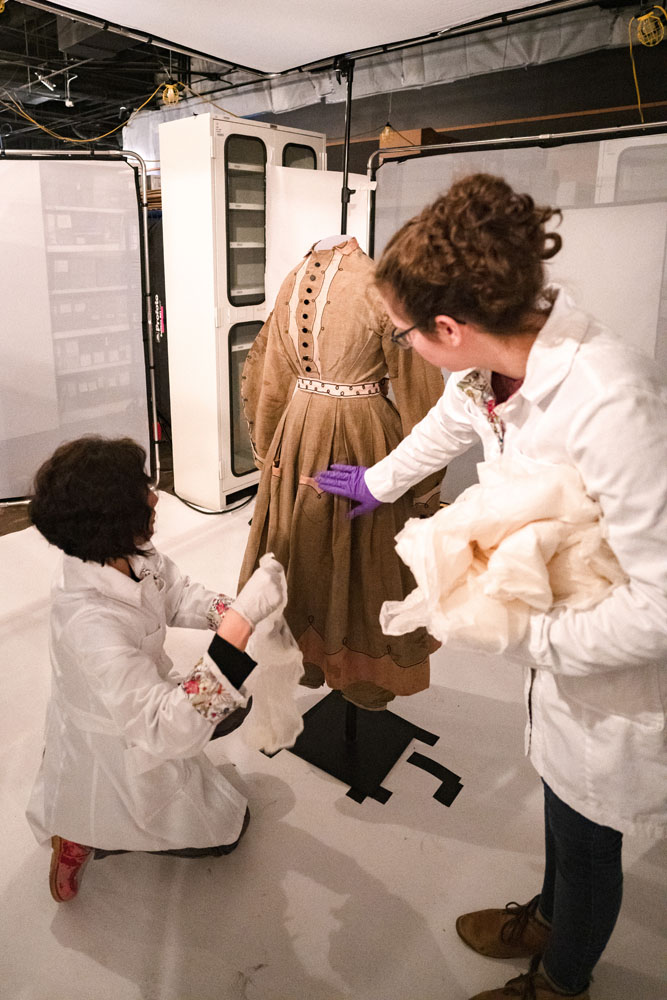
(302, 157)
(245, 170)
(241, 337)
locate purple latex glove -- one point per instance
(348, 481)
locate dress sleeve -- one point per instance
(267, 383)
(417, 386)
(619, 446)
(444, 433)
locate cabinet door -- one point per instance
(241, 337)
(245, 174)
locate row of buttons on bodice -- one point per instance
(306, 316)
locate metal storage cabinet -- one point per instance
(214, 211)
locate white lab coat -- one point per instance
(596, 683)
(123, 765)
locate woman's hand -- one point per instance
(264, 592)
(234, 629)
(348, 481)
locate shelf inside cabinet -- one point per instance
(244, 206)
(246, 246)
(96, 410)
(92, 289)
(92, 331)
(246, 168)
(84, 208)
(86, 248)
(240, 292)
(92, 368)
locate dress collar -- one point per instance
(346, 247)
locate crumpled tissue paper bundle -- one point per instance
(525, 539)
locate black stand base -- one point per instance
(355, 746)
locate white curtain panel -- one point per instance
(71, 336)
(614, 200)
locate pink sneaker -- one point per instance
(67, 863)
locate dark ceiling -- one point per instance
(80, 81)
(109, 76)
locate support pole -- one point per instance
(372, 174)
(350, 722)
(345, 68)
(357, 747)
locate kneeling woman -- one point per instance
(123, 766)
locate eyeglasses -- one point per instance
(399, 337)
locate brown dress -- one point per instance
(315, 392)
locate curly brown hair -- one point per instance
(476, 254)
(91, 498)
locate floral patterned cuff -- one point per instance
(217, 609)
(210, 693)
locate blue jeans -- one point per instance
(581, 894)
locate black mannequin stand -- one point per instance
(356, 746)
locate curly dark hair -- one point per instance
(91, 498)
(476, 254)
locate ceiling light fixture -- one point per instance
(47, 83)
(69, 103)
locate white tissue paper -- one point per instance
(274, 721)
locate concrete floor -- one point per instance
(326, 898)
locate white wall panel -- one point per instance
(304, 207)
(613, 196)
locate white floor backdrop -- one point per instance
(325, 898)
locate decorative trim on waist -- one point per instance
(340, 388)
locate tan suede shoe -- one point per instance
(530, 986)
(513, 932)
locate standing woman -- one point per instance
(535, 376)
